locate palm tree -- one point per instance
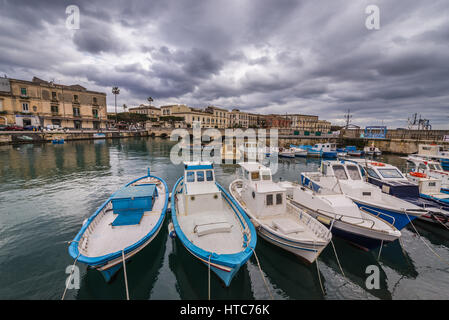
(150, 100)
(125, 107)
(115, 91)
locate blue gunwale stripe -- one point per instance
(102, 260)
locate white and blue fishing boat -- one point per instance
(123, 225)
(353, 152)
(342, 216)
(413, 187)
(209, 223)
(430, 168)
(323, 150)
(276, 220)
(345, 177)
(434, 152)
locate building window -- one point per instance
(94, 100)
(77, 124)
(53, 95)
(75, 98)
(95, 113)
(54, 109)
(76, 112)
(1, 104)
(23, 92)
(25, 107)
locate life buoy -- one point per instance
(418, 174)
(378, 164)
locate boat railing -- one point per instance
(317, 228)
(367, 210)
(339, 216)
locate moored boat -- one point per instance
(276, 220)
(345, 177)
(431, 169)
(344, 218)
(286, 152)
(209, 223)
(123, 225)
(299, 152)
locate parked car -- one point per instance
(31, 128)
(14, 127)
(3, 127)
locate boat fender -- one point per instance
(171, 231)
(84, 222)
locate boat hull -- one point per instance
(400, 219)
(306, 251)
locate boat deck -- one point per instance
(102, 238)
(219, 241)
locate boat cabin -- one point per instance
(326, 147)
(259, 192)
(199, 187)
(422, 165)
(427, 185)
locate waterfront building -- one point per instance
(308, 123)
(42, 103)
(220, 116)
(150, 111)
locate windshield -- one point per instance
(390, 173)
(266, 175)
(372, 173)
(353, 172)
(438, 167)
(209, 175)
(190, 176)
(200, 176)
(340, 172)
(255, 176)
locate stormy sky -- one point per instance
(263, 56)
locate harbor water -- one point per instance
(47, 190)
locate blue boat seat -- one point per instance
(128, 218)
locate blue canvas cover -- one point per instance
(139, 198)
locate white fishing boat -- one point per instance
(372, 150)
(434, 152)
(299, 152)
(128, 221)
(429, 188)
(276, 220)
(209, 223)
(345, 177)
(286, 152)
(344, 218)
(431, 169)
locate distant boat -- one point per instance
(323, 150)
(353, 152)
(123, 225)
(209, 223)
(372, 151)
(58, 141)
(431, 169)
(345, 177)
(286, 152)
(343, 216)
(434, 152)
(276, 220)
(299, 152)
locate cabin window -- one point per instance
(255, 176)
(190, 176)
(432, 184)
(209, 175)
(372, 173)
(366, 194)
(279, 198)
(266, 175)
(269, 199)
(438, 167)
(390, 173)
(354, 172)
(340, 172)
(200, 176)
(422, 167)
(431, 166)
(246, 174)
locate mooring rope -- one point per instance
(380, 249)
(436, 218)
(208, 278)
(261, 273)
(124, 275)
(441, 258)
(338, 261)
(70, 277)
(318, 271)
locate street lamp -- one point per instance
(115, 91)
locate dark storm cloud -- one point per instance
(311, 57)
